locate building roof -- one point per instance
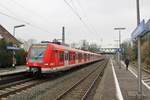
(8, 37)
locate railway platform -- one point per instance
(8, 71)
(120, 84)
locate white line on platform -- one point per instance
(146, 85)
(119, 94)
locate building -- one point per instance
(8, 37)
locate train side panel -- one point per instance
(57, 58)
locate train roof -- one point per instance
(61, 47)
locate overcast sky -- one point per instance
(44, 19)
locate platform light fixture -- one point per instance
(119, 54)
(17, 27)
(13, 58)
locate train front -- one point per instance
(36, 58)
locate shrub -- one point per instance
(6, 55)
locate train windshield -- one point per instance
(37, 53)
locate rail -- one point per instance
(61, 96)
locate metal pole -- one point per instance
(14, 31)
(138, 12)
(118, 59)
(17, 27)
(139, 56)
(139, 71)
(119, 48)
(119, 51)
(13, 59)
(13, 55)
(63, 35)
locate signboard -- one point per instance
(12, 48)
(120, 50)
(148, 25)
(140, 30)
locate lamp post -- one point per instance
(119, 53)
(139, 55)
(117, 41)
(13, 58)
(63, 35)
(17, 27)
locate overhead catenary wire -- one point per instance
(80, 18)
(74, 5)
(19, 19)
(23, 21)
(14, 18)
(3, 6)
(73, 10)
(37, 27)
(12, 13)
(79, 4)
(44, 18)
(85, 15)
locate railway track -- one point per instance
(16, 82)
(81, 89)
(19, 86)
(9, 78)
(25, 88)
(13, 79)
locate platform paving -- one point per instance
(17, 69)
(119, 84)
(106, 89)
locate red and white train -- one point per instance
(50, 57)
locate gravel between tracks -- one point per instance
(78, 91)
(51, 89)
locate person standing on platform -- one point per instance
(127, 63)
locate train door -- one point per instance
(61, 58)
(76, 57)
(79, 57)
(56, 57)
(66, 58)
(82, 57)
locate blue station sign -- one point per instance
(12, 48)
(140, 30)
(120, 50)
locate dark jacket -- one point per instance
(127, 61)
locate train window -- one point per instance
(37, 53)
(89, 56)
(70, 56)
(61, 56)
(79, 55)
(50, 56)
(76, 55)
(66, 56)
(56, 54)
(84, 56)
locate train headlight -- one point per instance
(46, 64)
(51, 64)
